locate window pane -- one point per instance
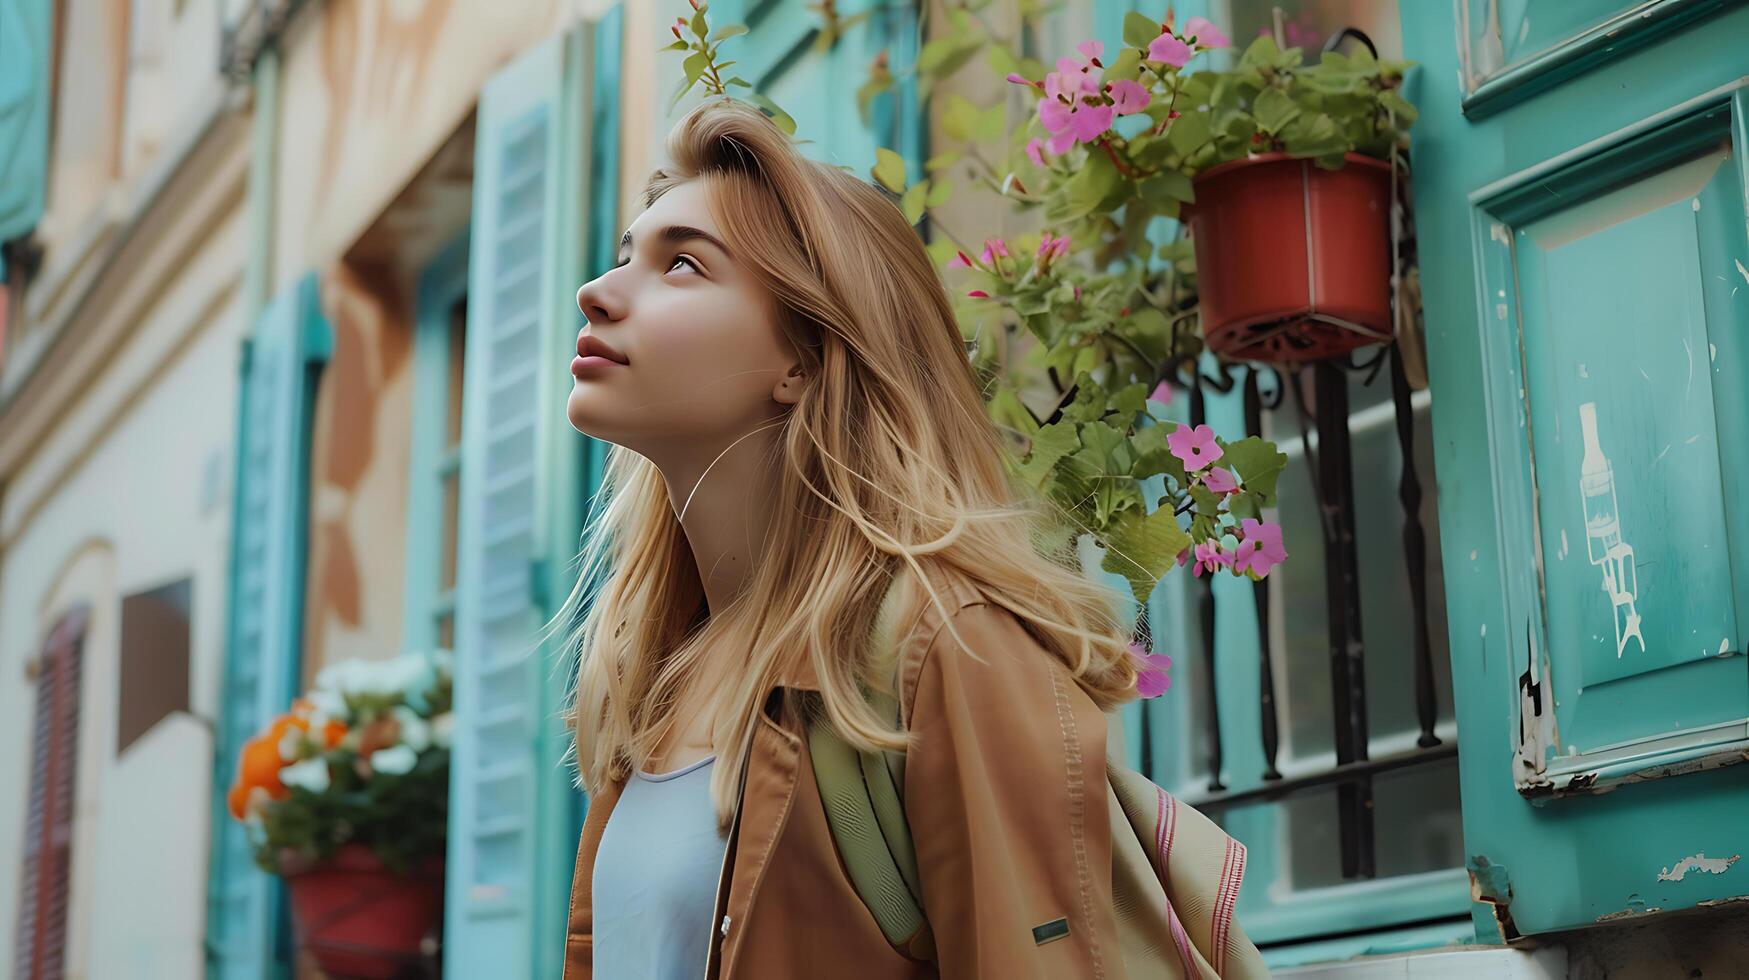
(1314, 835)
(451, 515)
(1418, 823)
(1300, 628)
(458, 330)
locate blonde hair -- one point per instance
(887, 462)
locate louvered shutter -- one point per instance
(26, 33)
(246, 924)
(512, 806)
(40, 945)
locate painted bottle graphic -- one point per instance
(1603, 544)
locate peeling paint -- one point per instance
(1490, 883)
(1740, 270)
(1698, 862)
(1497, 232)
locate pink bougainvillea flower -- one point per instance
(1072, 110)
(1196, 447)
(1162, 393)
(1052, 247)
(993, 247)
(1127, 97)
(1261, 549)
(1209, 557)
(960, 260)
(1205, 33)
(1020, 79)
(1220, 480)
(978, 294)
(1169, 49)
(1035, 151)
(1183, 556)
(1151, 677)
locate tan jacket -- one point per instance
(1004, 794)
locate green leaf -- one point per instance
(1258, 464)
(992, 122)
(1139, 30)
(959, 117)
(696, 63)
(889, 169)
(1049, 444)
(1167, 188)
(1143, 548)
(1127, 67)
(911, 202)
(728, 31)
(698, 24)
(1273, 110)
(1086, 189)
(1001, 60)
(944, 159)
(778, 116)
(939, 192)
(1404, 109)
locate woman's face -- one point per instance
(703, 355)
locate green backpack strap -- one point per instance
(862, 793)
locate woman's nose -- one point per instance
(594, 303)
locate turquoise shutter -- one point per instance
(819, 90)
(26, 33)
(1580, 196)
(512, 803)
(263, 650)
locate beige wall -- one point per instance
(130, 490)
(371, 91)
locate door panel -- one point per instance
(1580, 246)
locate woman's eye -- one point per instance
(681, 258)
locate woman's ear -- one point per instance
(789, 389)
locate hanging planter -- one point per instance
(359, 919)
(1293, 260)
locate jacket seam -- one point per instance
(1077, 814)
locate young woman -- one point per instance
(796, 428)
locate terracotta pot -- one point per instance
(1293, 262)
(358, 919)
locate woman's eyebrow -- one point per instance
(676, 234)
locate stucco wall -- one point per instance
(141, 477)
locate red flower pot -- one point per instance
(1293, 262)
(361, 920)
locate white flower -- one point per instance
(329, 705)
(311, 774)
(442, 727)
(415, 732)
(396, 760)
(289, 742)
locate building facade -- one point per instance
(286, 288)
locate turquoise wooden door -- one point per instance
(26, 35)
(513, 808)
(1580, 185)
(281, 361)
(818, 89)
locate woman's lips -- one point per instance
(581, 366)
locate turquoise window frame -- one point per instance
(432, 460)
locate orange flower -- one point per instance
(332, 733)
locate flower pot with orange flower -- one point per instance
(346, 796)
